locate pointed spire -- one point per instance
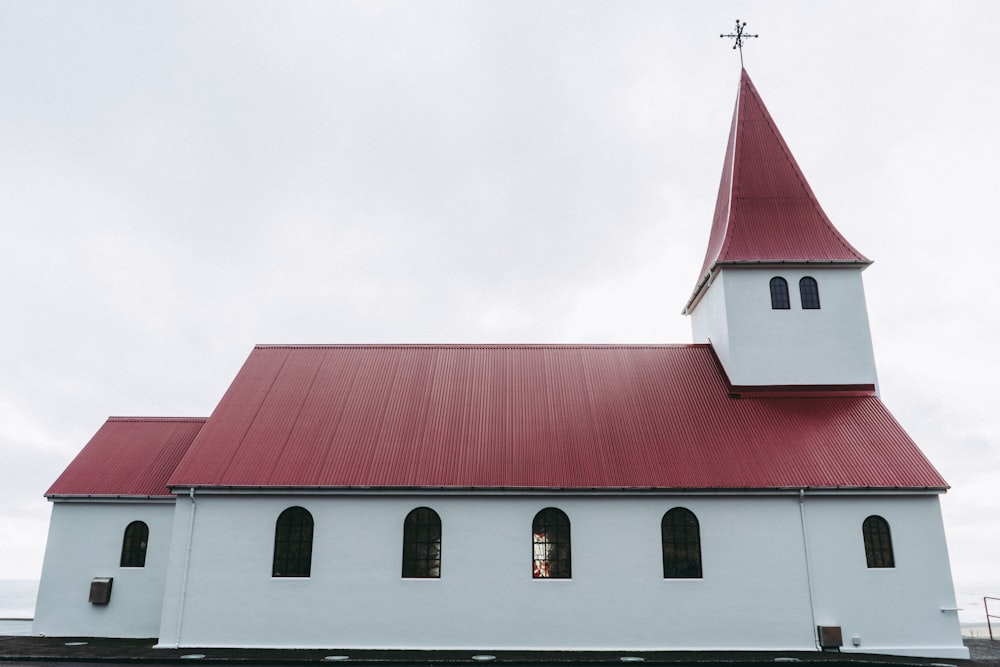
(766, 213)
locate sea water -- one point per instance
(972, 608)
(17, 605)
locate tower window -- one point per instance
(809, 291)
(550, 546)
(878, 542)
(779, 294)
(422, 544)
(134, 545)
(681, 544)
(293, 539)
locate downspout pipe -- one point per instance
(809, 581)
(187, 568)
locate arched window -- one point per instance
(293, 541)
(134, 545)
(550, 546)
(809, 292)
(779, 294)
(878, 542)
(422, 544)
(681, 545)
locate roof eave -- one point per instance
(108, 497)
(515, 490)
(699, 290)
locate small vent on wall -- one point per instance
(100, 590)
(830, 637)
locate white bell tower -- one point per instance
(780, 296)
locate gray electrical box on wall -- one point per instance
(100, 590)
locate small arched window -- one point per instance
(550, 545)
(134, 545)
(809, 292)
(293, 538)
(422, 544)
(878, 542)
(681, 544)
(779, 294)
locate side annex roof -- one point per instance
(128, 457)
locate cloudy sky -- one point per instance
(180, 181)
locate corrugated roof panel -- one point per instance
(128, 456)
(535, 416)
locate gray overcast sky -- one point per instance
(180, 181)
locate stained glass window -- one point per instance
(550, 545)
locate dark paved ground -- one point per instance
(984, 651)
(66, 652)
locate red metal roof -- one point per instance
(766, 212)
(536, 416)
(128, 456)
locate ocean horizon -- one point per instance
(17, 605)
(17, 598)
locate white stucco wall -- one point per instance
(761, 346)
(85, 541)
(755, 593)
(709, 323)
(905, 610)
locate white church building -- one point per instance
(749, 491)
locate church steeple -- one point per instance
(779, 294)
(765, 212)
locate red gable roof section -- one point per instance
(535, 417)
(128, 457)
(765, 211)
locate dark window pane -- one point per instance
(293, 536)
(809, 291)
(779, 294)
(681, 545)
(134, 545)
(878, 542)
(422, 544)
(550, 545)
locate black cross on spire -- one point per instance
(738, 38)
